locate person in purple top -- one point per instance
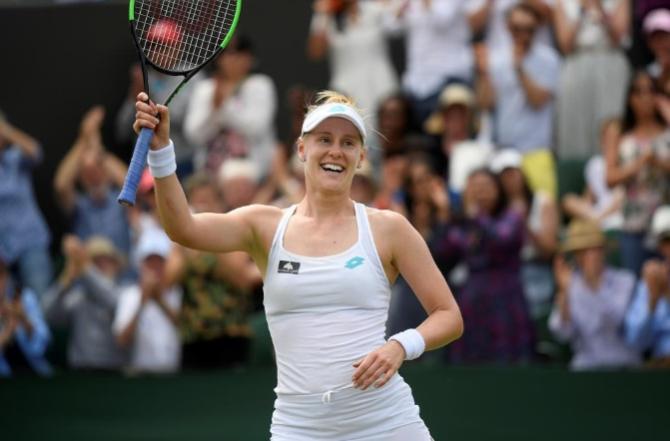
(488, 238)
(24, 235)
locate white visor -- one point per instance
(334, 110)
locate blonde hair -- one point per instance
(332, 97)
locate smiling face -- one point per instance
(331, 151)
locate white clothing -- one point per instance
(360, 62)
(497, 34)
(437, 44)
(156, 346)
(247, 116)
(534, 223)
(324, 314)
(592, 33)
(595, 177)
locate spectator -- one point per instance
(487, 20)
(591, 35)
(238, 181)
(214, 318)
(639, 160)
(24, 335)
(488, 239)
(437, 49)
(160, 87)
(598, 203)
(540, 214)
(93, 210)
(424, 201)
(519, 83)
(656, 27)
(455, 121)
(232, 113)
(388, 149)
(648, 317)
(24, 235)
(147, 314)
(85, 297)
(352, 33)
(591, 302)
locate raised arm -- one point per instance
(26, 143)
(239, 230)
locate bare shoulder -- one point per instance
(387, 221)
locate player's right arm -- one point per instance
(238, 230)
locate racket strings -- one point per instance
(180, 35)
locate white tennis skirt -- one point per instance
(385, 414)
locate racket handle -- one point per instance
(136, 168)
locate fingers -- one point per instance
(375, 369)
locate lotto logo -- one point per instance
(354, 262)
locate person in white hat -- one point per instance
(328, 266)
(146, 315)
(647, 325)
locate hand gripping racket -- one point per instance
(176, 37)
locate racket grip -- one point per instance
(136, 168)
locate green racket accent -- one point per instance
(238, 11)
(176, 37)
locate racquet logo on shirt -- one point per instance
(287, 267)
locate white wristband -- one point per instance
(412, 341)
(162, 162)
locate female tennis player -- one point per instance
(328, 266)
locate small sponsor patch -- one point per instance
(288, 267)
(354, 262)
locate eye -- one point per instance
(323, 140)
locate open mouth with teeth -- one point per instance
(334, 168)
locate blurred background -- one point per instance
(528, 141)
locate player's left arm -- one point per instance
(405, 252)
(411, 257)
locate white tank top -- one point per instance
(324, 313)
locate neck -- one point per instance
(593, 279)
(320, 205)
(647, 124)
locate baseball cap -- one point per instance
(657, 20)
(506, 158)
(153, 242)
(164, 31)
(660, 223)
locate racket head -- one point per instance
(178, 37)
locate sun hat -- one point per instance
(453, 94)
(582, 234)
(98, 246)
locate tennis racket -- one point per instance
(176, 37)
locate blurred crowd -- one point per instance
(521, 141)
